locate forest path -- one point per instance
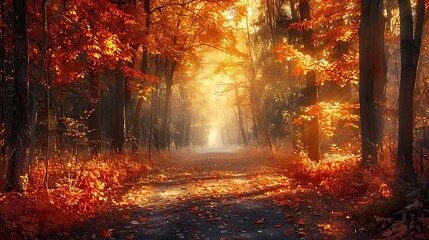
(223, 194)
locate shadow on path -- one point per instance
(223, 194)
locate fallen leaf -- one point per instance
(106, 233)
(259, 221)
(195, 209)
(126, 217)
(301, 222)
(302, 233)
(288, 232)
(134, 222)
(130, 237)
(325, 226)
(143, 219)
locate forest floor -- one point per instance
(222, 194)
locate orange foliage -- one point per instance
(80, 190)
(329, 113)
(332, 22)
(87, 37)
(329, 173)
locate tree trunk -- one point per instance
(119, 135)
(372, 75)
(48, 129)
(137, 125)
(240, 116)
(94, 124)
(165, 133)
(137, 115)
(19, 141)
(41, 65)
(261, 132)
(313, 138)
(2, 88)
(410, 52)
(153, 125)
(140, 101)
(157, 118)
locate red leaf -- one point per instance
(126, 217)
(288, 232)
(106, 233)
(143, 219)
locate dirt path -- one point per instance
(223, 194)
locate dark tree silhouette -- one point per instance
(410, 53)
(372, 77)
(19, 139)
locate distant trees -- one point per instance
(100, 59)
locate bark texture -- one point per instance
(313, 135)
(372, 77)
(410, 52)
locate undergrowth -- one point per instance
(340, 173)
(373, 189)
(77, 190)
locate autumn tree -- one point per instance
(180, 29)
(92, 40)
(312, 136)
(313, 55)
(19, 141)
(372, 75)
(144, 69)
(410, 43)
(252, 54)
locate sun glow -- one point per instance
(214, 138)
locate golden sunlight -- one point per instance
(214, 138)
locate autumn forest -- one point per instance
(214, 119)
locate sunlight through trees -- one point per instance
(299, 107)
